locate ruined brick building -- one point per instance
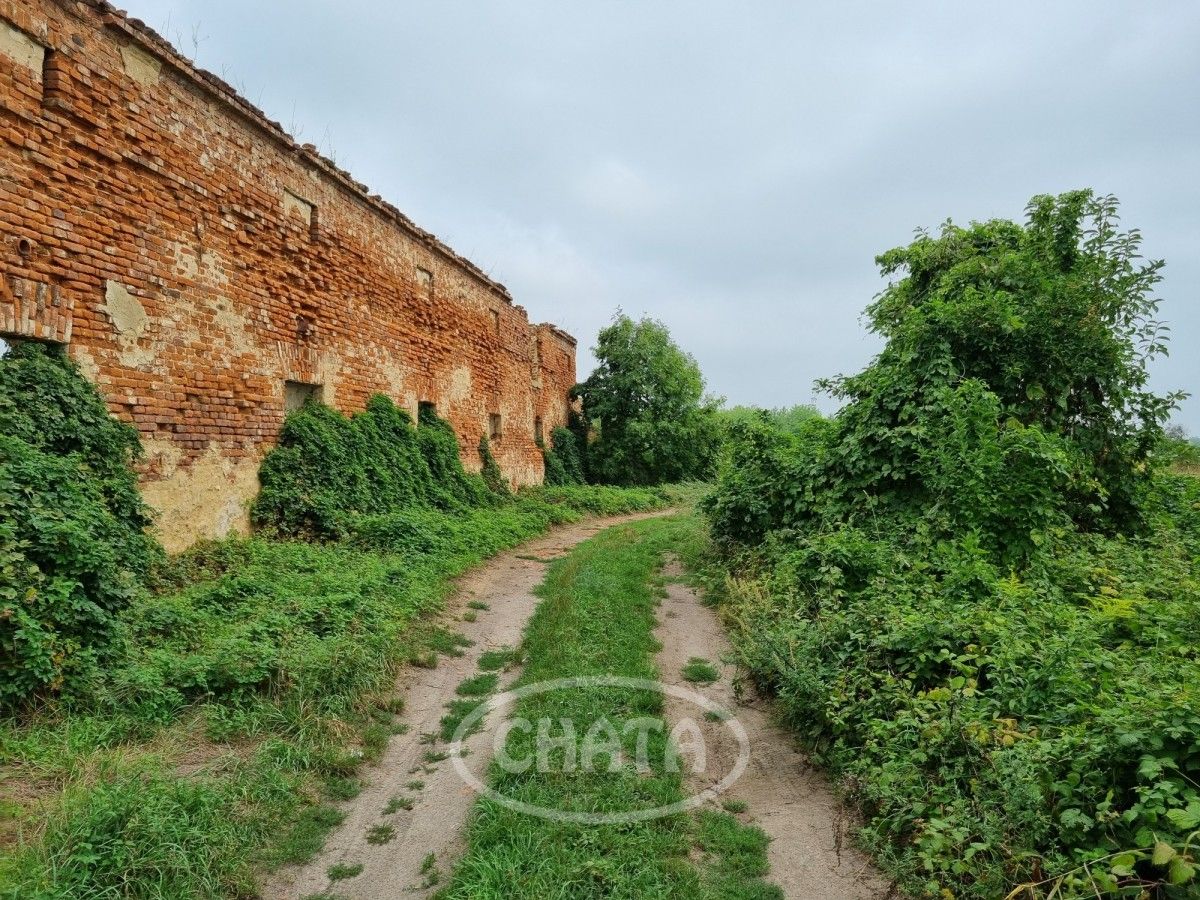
(208, 273)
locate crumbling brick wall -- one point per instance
(196, 261)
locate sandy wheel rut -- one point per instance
(810, 854)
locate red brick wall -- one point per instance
(194, 258)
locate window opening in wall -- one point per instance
(537, 430)
(495, 320)
(297, 393)
(426, 411)
(494, 426)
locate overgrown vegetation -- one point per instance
(329, 469)
(973, 590)
(198, 708)
(789, 419)
(73, 541)
(647, 398)
(564, 459)
(596, 618)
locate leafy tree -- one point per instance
(647, 396)
(1055, 318)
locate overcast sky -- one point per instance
(732, 168)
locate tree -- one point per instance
(1010, 401)
(647, 398)
(1054, 318)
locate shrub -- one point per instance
(329, 468)
(73, 529)
(564, 461)
(972, 588)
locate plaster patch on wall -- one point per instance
(209, 498)
(199, 264)
(234, 326)
(296, 206)
(329, 370)
(460, 384)
(392, 372)
(140, 65)
(86, 362)
(22, 49)
(126, 312)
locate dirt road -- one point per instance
(427, 838)
(811, 854)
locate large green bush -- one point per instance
(329, 468)
(74, 545)
(973, 590)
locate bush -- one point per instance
(564, 461)
(73, 529)
(973, 589)
(329, 468)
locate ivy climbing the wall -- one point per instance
(329, 469)
(73, 541)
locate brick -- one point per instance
(143, 173)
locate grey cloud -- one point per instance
(733, 168)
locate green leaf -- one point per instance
(1163, 854)
(1180, 871)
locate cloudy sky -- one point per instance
(732, 168)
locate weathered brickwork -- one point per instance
(196, 260)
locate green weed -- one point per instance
(700, 671)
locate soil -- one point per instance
(811, 853)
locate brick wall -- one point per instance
(195, 259)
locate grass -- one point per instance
(596, 617)
(479, 686)
(495, 660)
(381, 834)
(457, 710)
(477, 605)
(342, 788)
(308, 834)
(700, 671)
(341, 871)
(396, 804)
(255, 680)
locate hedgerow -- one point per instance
(973, 590)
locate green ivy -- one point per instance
(564, 461)
(329, 468)
(74, 545)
